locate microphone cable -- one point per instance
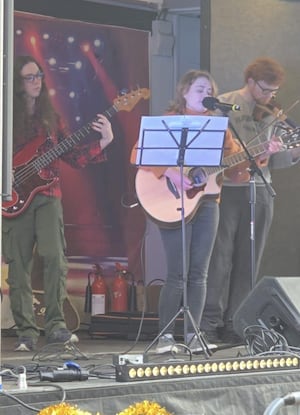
(259, 339)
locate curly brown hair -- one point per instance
(45, 119)
(265, 69)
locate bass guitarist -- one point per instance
(37, 130)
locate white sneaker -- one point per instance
(195, 345)
(25, 344)
(62, 335)
(166, 344)
(74, 338)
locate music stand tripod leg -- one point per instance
(198, 334)
(163, 331)
(186, 312)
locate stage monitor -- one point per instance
(275, 304)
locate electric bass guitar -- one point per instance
(161, 199)
(28, 164)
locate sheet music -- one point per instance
(160, 139)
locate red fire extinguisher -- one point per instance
(99, 291)
(120, 290)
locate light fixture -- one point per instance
(152, 371)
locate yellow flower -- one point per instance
(139, 408)
(145, 408)
(62, 409)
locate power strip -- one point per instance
(133, 359)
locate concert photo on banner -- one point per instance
(91, 69)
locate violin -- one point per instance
(262, 111)
(273, 108)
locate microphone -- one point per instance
(212, 103)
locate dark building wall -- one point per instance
(89, 12)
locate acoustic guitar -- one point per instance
(161, 199)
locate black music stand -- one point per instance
(179, 140)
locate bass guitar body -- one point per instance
(22, 194)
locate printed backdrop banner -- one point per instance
(87, 66)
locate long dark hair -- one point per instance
(44, 120)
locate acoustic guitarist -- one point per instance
(201, 225)
(38, 129)
(193, 87)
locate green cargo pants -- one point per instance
(39, 227)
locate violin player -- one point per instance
(230, 277)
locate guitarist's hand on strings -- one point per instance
(103, 126)
(274, 146)
(175, 177)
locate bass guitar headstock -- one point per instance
(126, 102)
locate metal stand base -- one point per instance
(186, 314)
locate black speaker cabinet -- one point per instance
(273, 303)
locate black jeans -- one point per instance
(229, 275)
(200, 237)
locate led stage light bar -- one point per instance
(153, 371)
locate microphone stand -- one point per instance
(253, 170)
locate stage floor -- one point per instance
(229, 394)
